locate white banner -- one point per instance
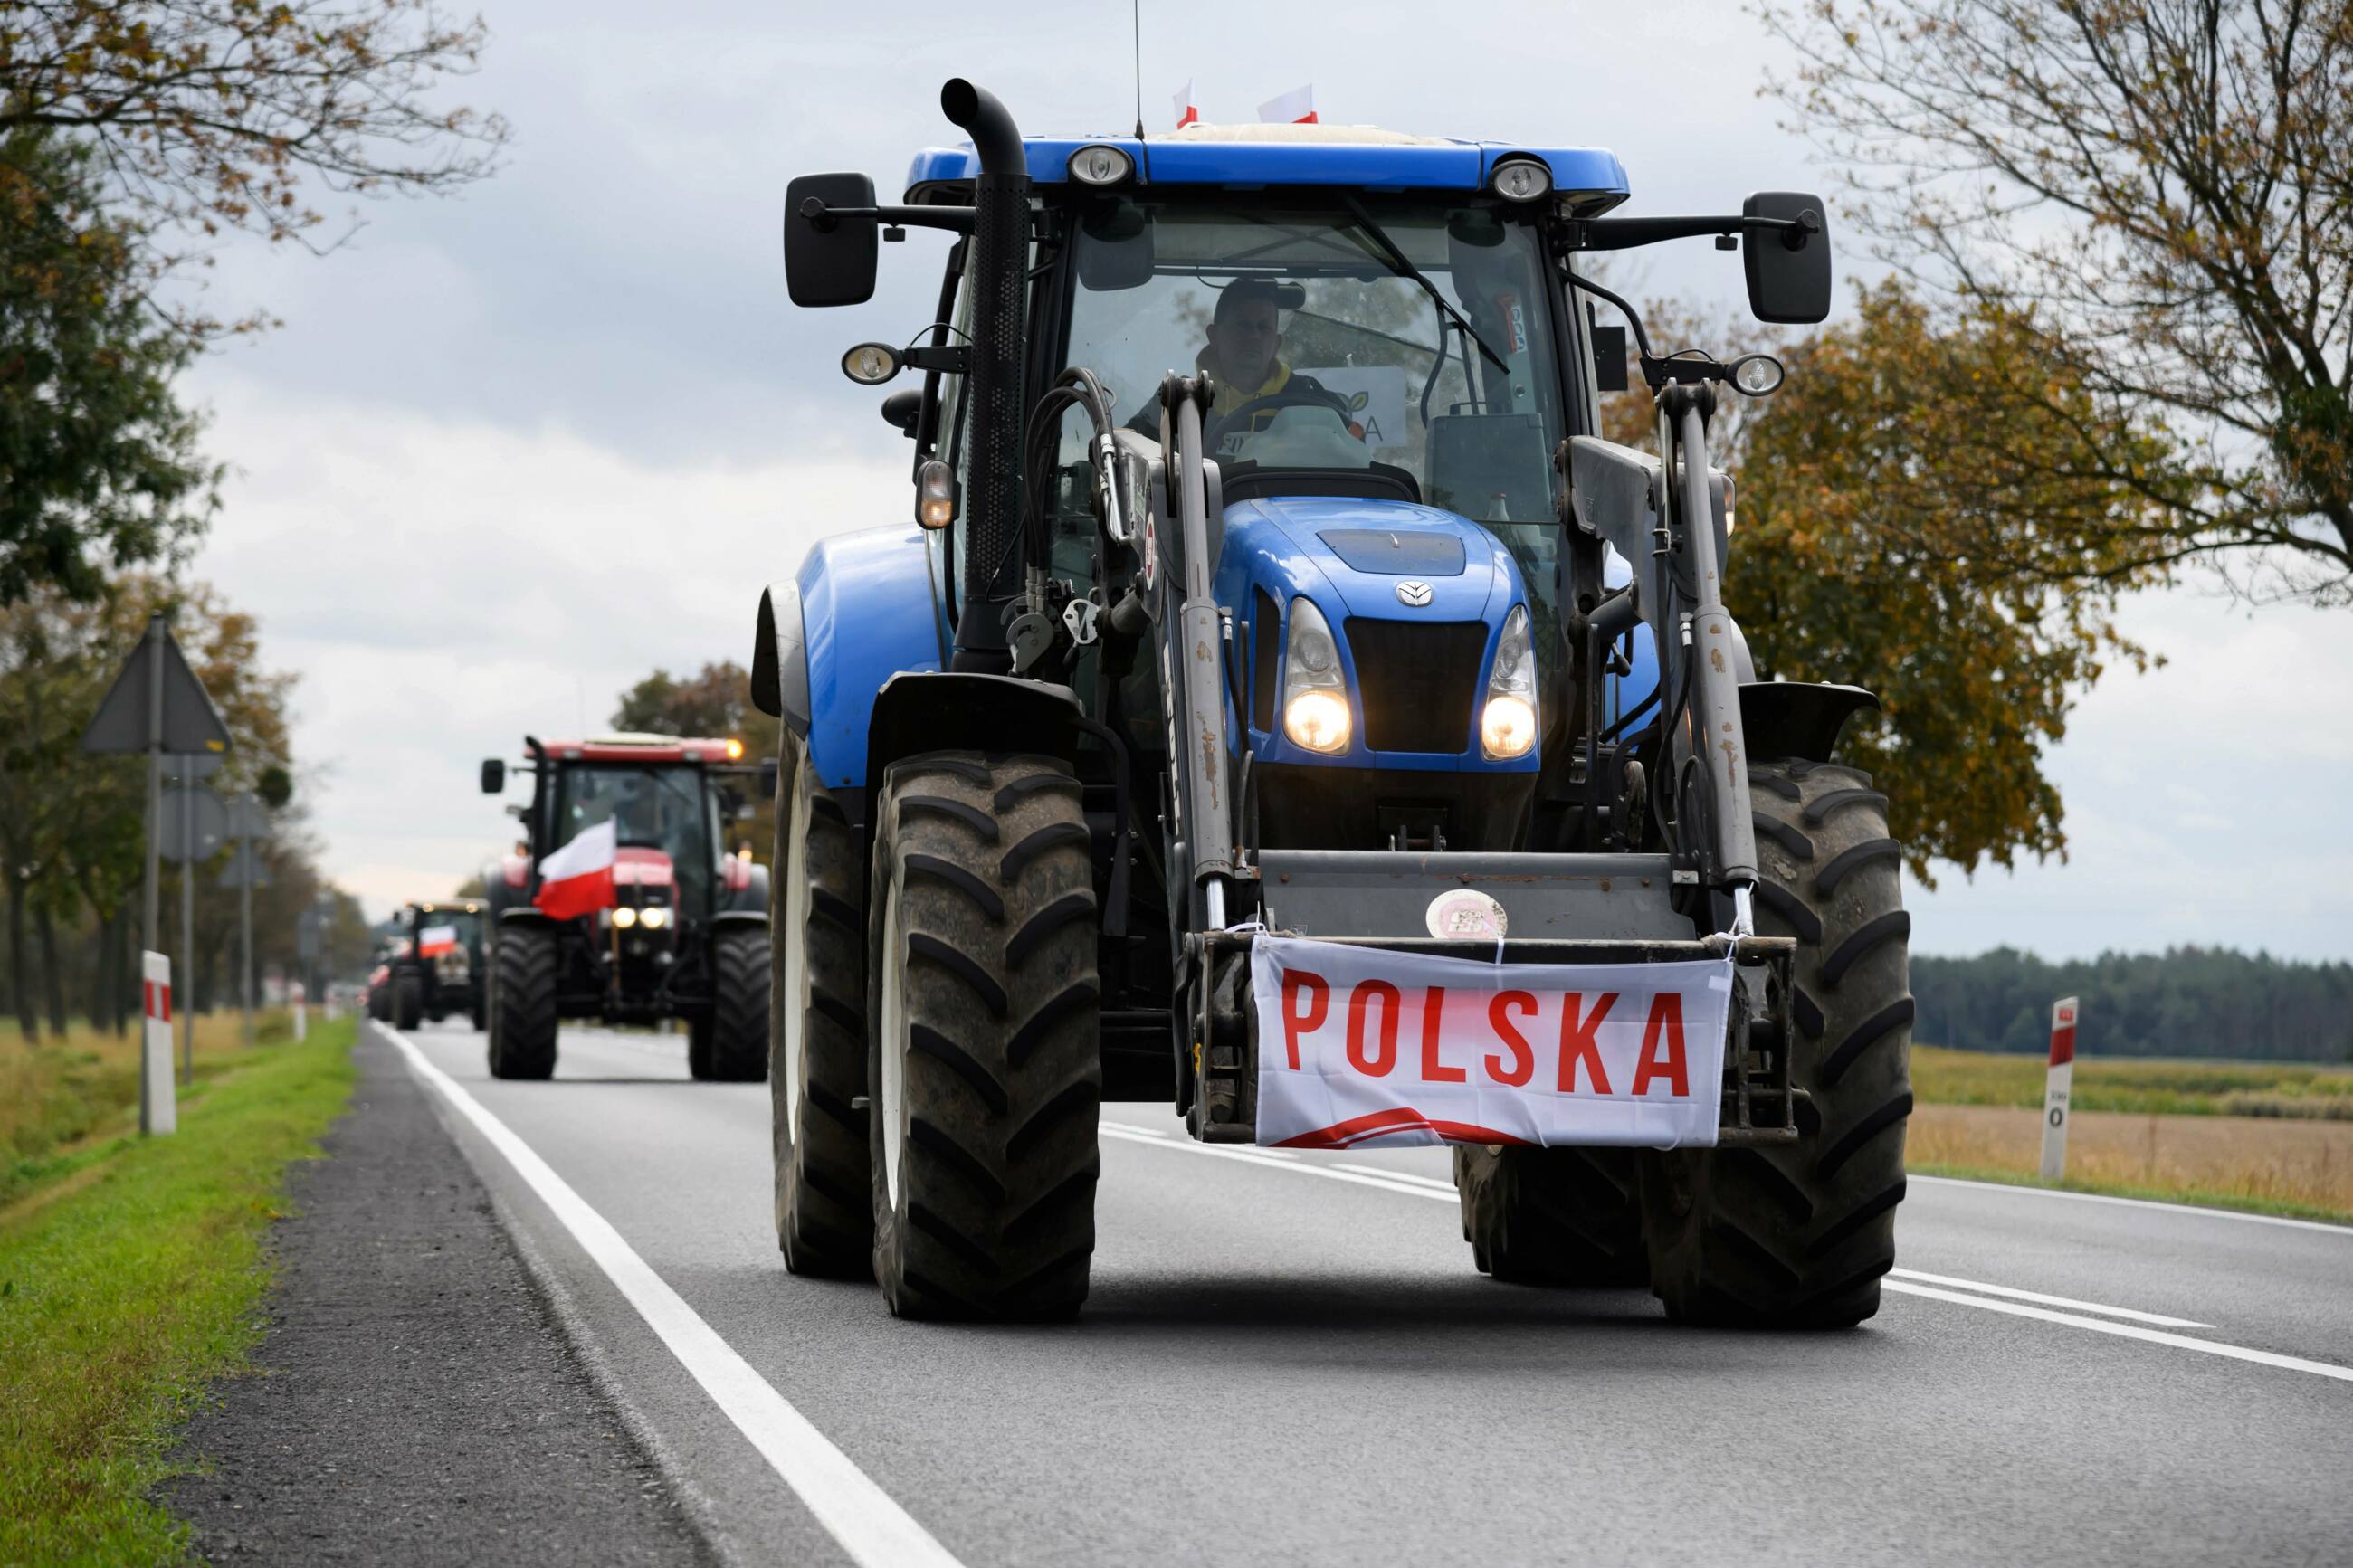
(1358, 1047)
(155, 1043)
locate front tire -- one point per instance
(1797, 1236)
(985, 1005)
(816, 1031)
(1552, 1217)
(524, 1022)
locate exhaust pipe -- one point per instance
(998, 275)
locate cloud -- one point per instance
(444, 588)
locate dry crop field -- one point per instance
(2270, 1135)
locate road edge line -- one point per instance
(2160, 1204)
(2125, 1330)
(846, 1502)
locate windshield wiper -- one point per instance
(1404, 265)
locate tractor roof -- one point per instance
(1359, 157)
(641, 748)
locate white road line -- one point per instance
(1446, 1187)
(2128, 1330)
(1251, 1156)
(2159, 1319)
(2343, 1230)
(874, 1530)
(2016, 1308)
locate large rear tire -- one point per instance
(731, 1045)
(985, 1002)
(523, 1021)
(816, 1031)
(408, 1000)
(1797, 1236)
(1552, 1217)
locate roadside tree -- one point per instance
(2158, 196)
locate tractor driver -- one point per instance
(1244, 357)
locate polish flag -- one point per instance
(434, 941)
(1185, 113)
(1296, 107)
(577, 879)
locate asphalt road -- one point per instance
(1290, 1359)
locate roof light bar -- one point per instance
(1101, 166)
(1522, 179)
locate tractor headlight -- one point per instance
(655, 918)
(625, 917)
(1315, 696)
(1507, 724)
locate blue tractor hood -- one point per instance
(1351, 558)
(1362, 550)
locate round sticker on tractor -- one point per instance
(1460, 913)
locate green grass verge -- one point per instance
(2139, 1087)
(128, 1281)
(2189, 1196)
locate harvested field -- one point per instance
(2292, 1164)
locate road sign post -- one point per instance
(249, 822)
(2055, 1090)
(196, 824)
(156, 705)
(159, 1110)
(302, 1012)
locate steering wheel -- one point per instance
(1238, 417)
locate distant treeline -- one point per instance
(2185, 1002)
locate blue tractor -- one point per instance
(1284, 702)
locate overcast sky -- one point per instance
(512, 451)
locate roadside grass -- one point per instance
(63, 1100)
(133, 1275)
(2139, 1086)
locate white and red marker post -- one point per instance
(302, 1011)
(159, 1108)
(2055, 1088)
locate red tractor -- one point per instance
(623, 905)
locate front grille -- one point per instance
(1417, 682)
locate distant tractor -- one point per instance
(623, 905)
(441, 970)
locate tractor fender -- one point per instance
(1797, 718)
(864, 607)
(728, 918)
(960, 711)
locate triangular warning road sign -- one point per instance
(122, 721)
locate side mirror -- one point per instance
(1789, 268)
(901, 410)
(1609, 359)
(495, 775)
(829, 259)
(1115, 250)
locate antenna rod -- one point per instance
(1136, 31)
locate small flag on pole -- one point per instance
(1185, 113)
(1296, 107)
